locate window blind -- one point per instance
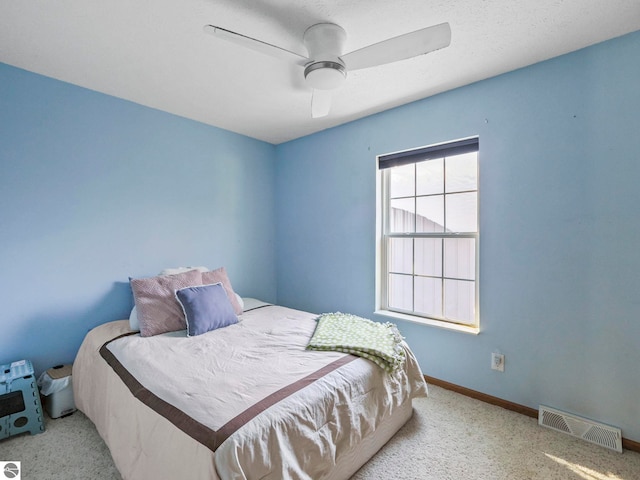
(428, 153)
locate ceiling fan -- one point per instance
(325, 66)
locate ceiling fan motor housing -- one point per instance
(325, 42)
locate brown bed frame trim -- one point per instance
(514, 407)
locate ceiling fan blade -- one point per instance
(320, 103)
(256, 45)
(399, 48)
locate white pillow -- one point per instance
(240, 300)
(133, 320)
(251, 303)
(176, 270)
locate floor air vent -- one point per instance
(594, 432)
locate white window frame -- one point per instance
(383, 234)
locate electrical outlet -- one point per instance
(497, 361)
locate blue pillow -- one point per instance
(206, 308)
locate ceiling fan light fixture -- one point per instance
(325, 75)
(325, 65)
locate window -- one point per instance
(428, 235)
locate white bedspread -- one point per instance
(263, 405)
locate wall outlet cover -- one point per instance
(497, 362)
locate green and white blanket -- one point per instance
(379, 342)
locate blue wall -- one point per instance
(94, 189)
(559, 259)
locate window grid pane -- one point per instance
(428, 257)
(402, 182)
(461, 213)
(462, 173)
(403, 215)
(401, 292)
(459, 301)
(460, 258)
(428, 296)
(430, 214)
(430, 177)
(401, 255)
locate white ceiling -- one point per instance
(155, 53)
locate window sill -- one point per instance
(430, 322)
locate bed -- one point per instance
(248, 401)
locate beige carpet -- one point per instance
(449, 437)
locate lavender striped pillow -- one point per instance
(156, 304)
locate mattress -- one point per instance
(246, 401)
